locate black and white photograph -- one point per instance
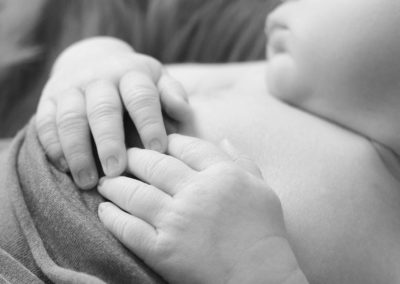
(200, 141)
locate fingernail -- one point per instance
(86, 179)
(112, 166)
(155, 145)
(62, 164)
(103, 206)
(101, 182)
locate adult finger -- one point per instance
(196, 153)
(133, 232)
(46, 126)
(174, 99)
(73, 130)
(141, 99)
(104, 111)
(138, 198)
(242, 160)
(162, 171)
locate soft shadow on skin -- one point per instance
(389, 158)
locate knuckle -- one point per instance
(156, 166)
(107, 141)
(132, 194)
(103, 110)
(165, 247)
(121, 227)
(76, 155)
(190, 150)
(147, 122)
(97, 84)
(141, 96)
(49, 140)
(71, 121)
(153, 65)
(45, 125)
(168, 241)
(229, 174)
(129, 74)
(124, 62)
(51, 146)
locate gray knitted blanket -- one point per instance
(49, 229)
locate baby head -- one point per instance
(340, 60)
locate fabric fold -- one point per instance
(50, 228)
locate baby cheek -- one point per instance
(286, 82)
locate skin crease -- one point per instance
(340, 60)
(342, 218)
(341, 203)
(343, 222)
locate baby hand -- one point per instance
(92, 82)
(200, 216)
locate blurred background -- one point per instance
(34, 32)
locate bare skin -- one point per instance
(341, 203)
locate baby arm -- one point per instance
(91, 84)
(201, 215)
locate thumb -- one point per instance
(242, 160)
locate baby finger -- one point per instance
(134, 233)
(174, 98)
(135, 197)
(104, 110)
(73, 130)
(48, 135)
(141, 99)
